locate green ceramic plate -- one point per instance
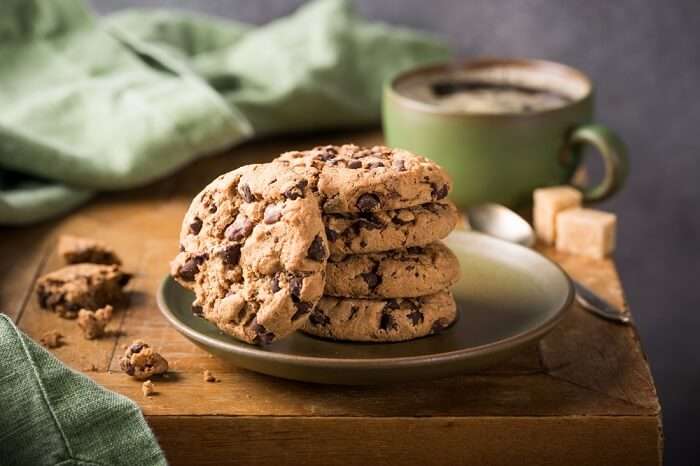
(508, 297)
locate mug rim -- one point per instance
(488, 62)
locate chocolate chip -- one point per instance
(414, 250)
(197, 310)
(329, 153)
(354, 164)
(399, 164)
(239, 229)
(182, 248)
(392, 304)
(303, 308)
(367, 202)
(213, 209)
(124, 279)
(273, 213)
(296, 283)
(439, 325)
(188, 270)
(262, 335)
(127, 367)
(136, 347)
(319, 318)
(387, 322)
(43, 298)
(372, 279)
(373, 165)
(231, 254)
(415, 316)
(316, 251)
(296, 191)
(276, 283)
(439, 192)
(353, 312)
(246, 193)
(196, 226)
(332, 235)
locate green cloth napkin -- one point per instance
(91, 104)
(50, 415)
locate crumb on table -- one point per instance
(52, 339)
(148, 388)
(141, 362)
(93, 323)
(209, 377)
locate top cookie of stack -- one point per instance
(378, 199)
(384, 213)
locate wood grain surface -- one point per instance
(584, 395)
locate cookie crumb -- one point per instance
(141, 362)
(93, 323)
(52, 339)
(90, 368)
(76, 249)
(148, 388)
(209, 377)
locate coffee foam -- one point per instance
(420, 86)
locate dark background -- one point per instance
(644, 56)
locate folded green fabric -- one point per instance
(108, 104)
(50, 415)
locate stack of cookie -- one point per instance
(341, 242)
(388, 276)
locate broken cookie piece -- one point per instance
(93, 323)
(141, 362)
(52, 339)
(76, 249)
(148, 388)
(82, 286)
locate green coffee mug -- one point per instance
(502, 157)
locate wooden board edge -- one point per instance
(552, 440)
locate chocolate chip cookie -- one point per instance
(402, 273)
(254, 251)
(360, 179)
(382, 320)
(391, 229)
(82, 286)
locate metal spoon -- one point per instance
(501, 222)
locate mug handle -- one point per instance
(613, 152)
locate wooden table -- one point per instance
(584, 395)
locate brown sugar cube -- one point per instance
(586, 232)
(548, 202)
(76, 249)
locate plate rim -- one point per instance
(495, 347)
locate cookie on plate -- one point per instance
(254, 251)
(359, 179)
(402, 273)
(382, 320)
(379, 231)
